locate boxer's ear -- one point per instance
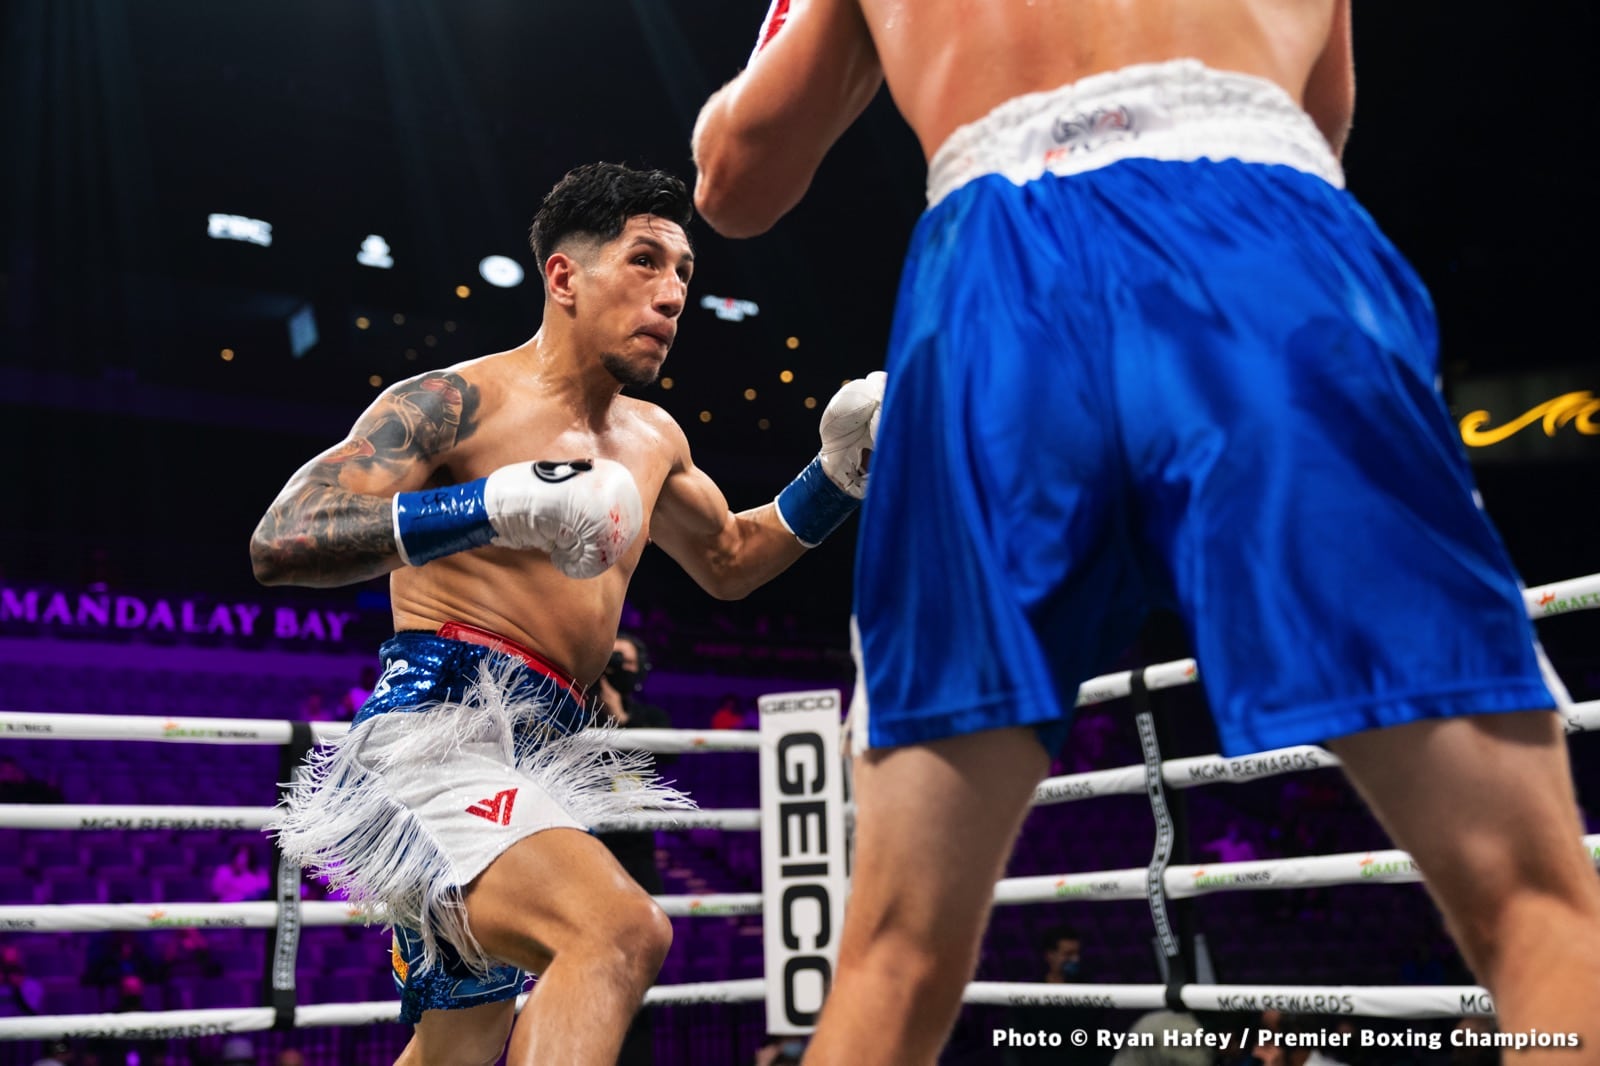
(560, 272)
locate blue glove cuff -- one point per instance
(813, 506)
(438, 522)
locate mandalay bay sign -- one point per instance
(44, 611)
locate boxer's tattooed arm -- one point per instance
(332, 524)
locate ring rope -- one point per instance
(21, 725)
(156, 1025)
(1374, 1001)
(97, 917)
(1390, 866)
(138, 817)
(1123, 780)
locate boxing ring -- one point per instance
(798, 740)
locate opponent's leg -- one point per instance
(1485, 806)
(935, 825)
(558, 903)
(472, 1036)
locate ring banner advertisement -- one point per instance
(802, 853)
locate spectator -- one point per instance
(314, 708)
(20, 995)
(238, 1051)
(1062, 963)
(1234, 845)
(119, 962)
(56, 1054)
(728, 714)
(1307, 1025)
(240, 878)
(289, 1057)
(1481, 1029)
(636, 852)
(1158, 1024)
(780, 1051)
(357, 694)
(19, 786)
(187, 961)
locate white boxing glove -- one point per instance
(850, 432)
(586, 513)
(832, 487)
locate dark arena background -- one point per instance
(225, 227)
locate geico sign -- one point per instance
(805, 855)
(825, 701)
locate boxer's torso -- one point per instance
(520, 594)
(940, 56)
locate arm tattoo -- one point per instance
(320, 532)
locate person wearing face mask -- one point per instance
(613, 698)
(1063, 964)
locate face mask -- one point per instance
(624, 681)
(1070, 969)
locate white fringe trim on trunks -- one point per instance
(411, 805)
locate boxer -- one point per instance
(509, 499)
(1148, 352)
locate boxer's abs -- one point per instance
(949, 62)
(571, 623)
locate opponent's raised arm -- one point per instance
(371, 503)
(729, 554)
(760, 138)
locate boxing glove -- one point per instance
(585, 513)
(833, 485)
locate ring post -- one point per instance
(283, 942)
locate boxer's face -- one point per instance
(635, 289)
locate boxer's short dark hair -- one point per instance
(597, 199)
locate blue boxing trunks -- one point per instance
(468, 744)
(1148, 352)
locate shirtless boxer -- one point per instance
(510, 498)
(1147, 350)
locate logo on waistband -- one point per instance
(1089, 130)
(497, 809)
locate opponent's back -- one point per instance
(949, 62)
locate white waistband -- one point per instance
(1179, 110)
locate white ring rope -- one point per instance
(1390, 867)
(1387, 867)
(25, 726)
(1123, 780)
(95, 917)
(156, 1025)
(136, 817)
(1543, 601)
(1373, 1001)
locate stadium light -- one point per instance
(500, 271)
(728, 309)
(239, 228)
(375, 252)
